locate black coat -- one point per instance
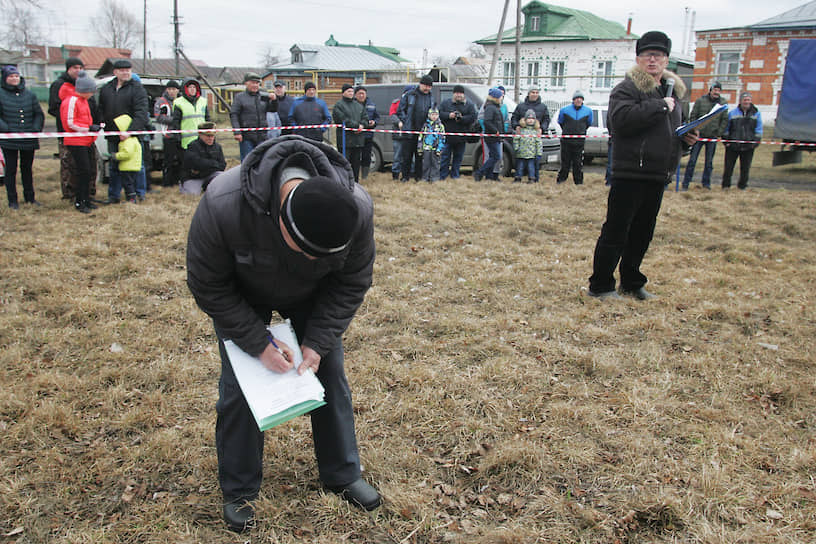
(493, 120)
(131, 99)
(248, 110)
(645, 147)
(201, 160)
(540, 109)
(20, 111)
(413, 110)
(463, 123)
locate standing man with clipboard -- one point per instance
(288, 232)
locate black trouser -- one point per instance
(631, 215)
(239, 443)
(365, 158)
(572, 155)
(745, 157)
(82, 165)
(171, 171)
(26, 160)
(411, 156)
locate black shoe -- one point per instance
(604, 295)
(90, 205)
(14, 206)
(395, 176)
(239, 515)
(640, 294)
(111, 201)
(516, 180)
(360, 494)
(477, 176)
(81, 207)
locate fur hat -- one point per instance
(654, 39)
(320, 215)
(84, 84)
(73, 61)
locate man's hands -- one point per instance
(274, 361)
(239, 137)
(691, 137)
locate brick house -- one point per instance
(751, 58)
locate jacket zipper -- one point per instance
(642, 145)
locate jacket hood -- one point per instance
(646, 83)
(187, 82)
(20, 86)
(123, 122)
(260, 171)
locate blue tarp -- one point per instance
(796, 116)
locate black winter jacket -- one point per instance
(413, 110)
(540, 109)
(20, 111)
(493, 120)
(463, 123)
(248, 110)
(240, 269)
(645, 147)
(131, 99)
(353, 114)
(201, 160)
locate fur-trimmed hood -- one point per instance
(646, 83)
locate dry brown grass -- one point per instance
(495, 401)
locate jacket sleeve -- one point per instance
(469, 116)
(493, 122)
(235, 111)
(338, 114)
(402, 109)
(758, 129)
(326, 115)
(39, 116)
(211, 280)
(272, 106)
(545, 119)
(630, 113)
(341, 293)
(178, 115)
(54, 99)
(139, 108)
(222, 162)
(515, 120)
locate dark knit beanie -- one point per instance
(426, 80)
(346, 87)
(73, 61)
(309, 85)
(320, 215)
(84, 84)
(173, 84)
(459, 89)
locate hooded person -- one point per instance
(20, 111)
(644, 111)
(189, 110)
(129, 157)
(288, 232)
(76, 117)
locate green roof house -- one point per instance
(563, 50)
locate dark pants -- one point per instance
(493, 157)
(396, 164)
(239, 443)
(572, 156)
(710, 149)
(452, 155)
(411, 156)
(353, 155)
(631, 215)
(68, 171)
(81, 157)
(26, 161)
(365, 158)
(171, 171)
(745, 157)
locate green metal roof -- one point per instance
(388, 52)
(558, 23)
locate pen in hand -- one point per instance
(276, 346)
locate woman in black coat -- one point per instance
(20, 111)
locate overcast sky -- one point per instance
(235, 32)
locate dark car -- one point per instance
(382, 152)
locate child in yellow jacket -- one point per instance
(129, 157)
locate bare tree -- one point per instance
(21, 26)
(115, 26)
(476, 51)
(269, 55)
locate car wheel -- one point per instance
(376, 159)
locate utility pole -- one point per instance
(144, 39)
(498, 44)
(518, 51)
(176, 44)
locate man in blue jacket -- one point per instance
(574, 119)
(310, 110)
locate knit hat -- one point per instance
(360, 88)
(426, 80)
(73, 61)
(534, 87)
(502, 89)
(173, 84)
(8, 70)
(309, 85)
(346, 87)
(654, 39)
(121, 63)
(320, 215)
(530, 114)
(458, 89)
(84, 84)
(251, 76)
(433, 110)
(578, 94)
(495, 92)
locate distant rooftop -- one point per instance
(334, 58)
(797, 18)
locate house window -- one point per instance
(557, 71)
(532, 73)
(535, 23)
(509, 73)
(602, 74)
(728, 65)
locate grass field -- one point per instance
(495, 401)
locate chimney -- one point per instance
(629, 26)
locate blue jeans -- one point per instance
(141, 182)
(493, 156)
(245, 147)
(451, 160)
(396, 162)
(527, 166)
(710, 148)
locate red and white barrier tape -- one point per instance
(29, 135)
